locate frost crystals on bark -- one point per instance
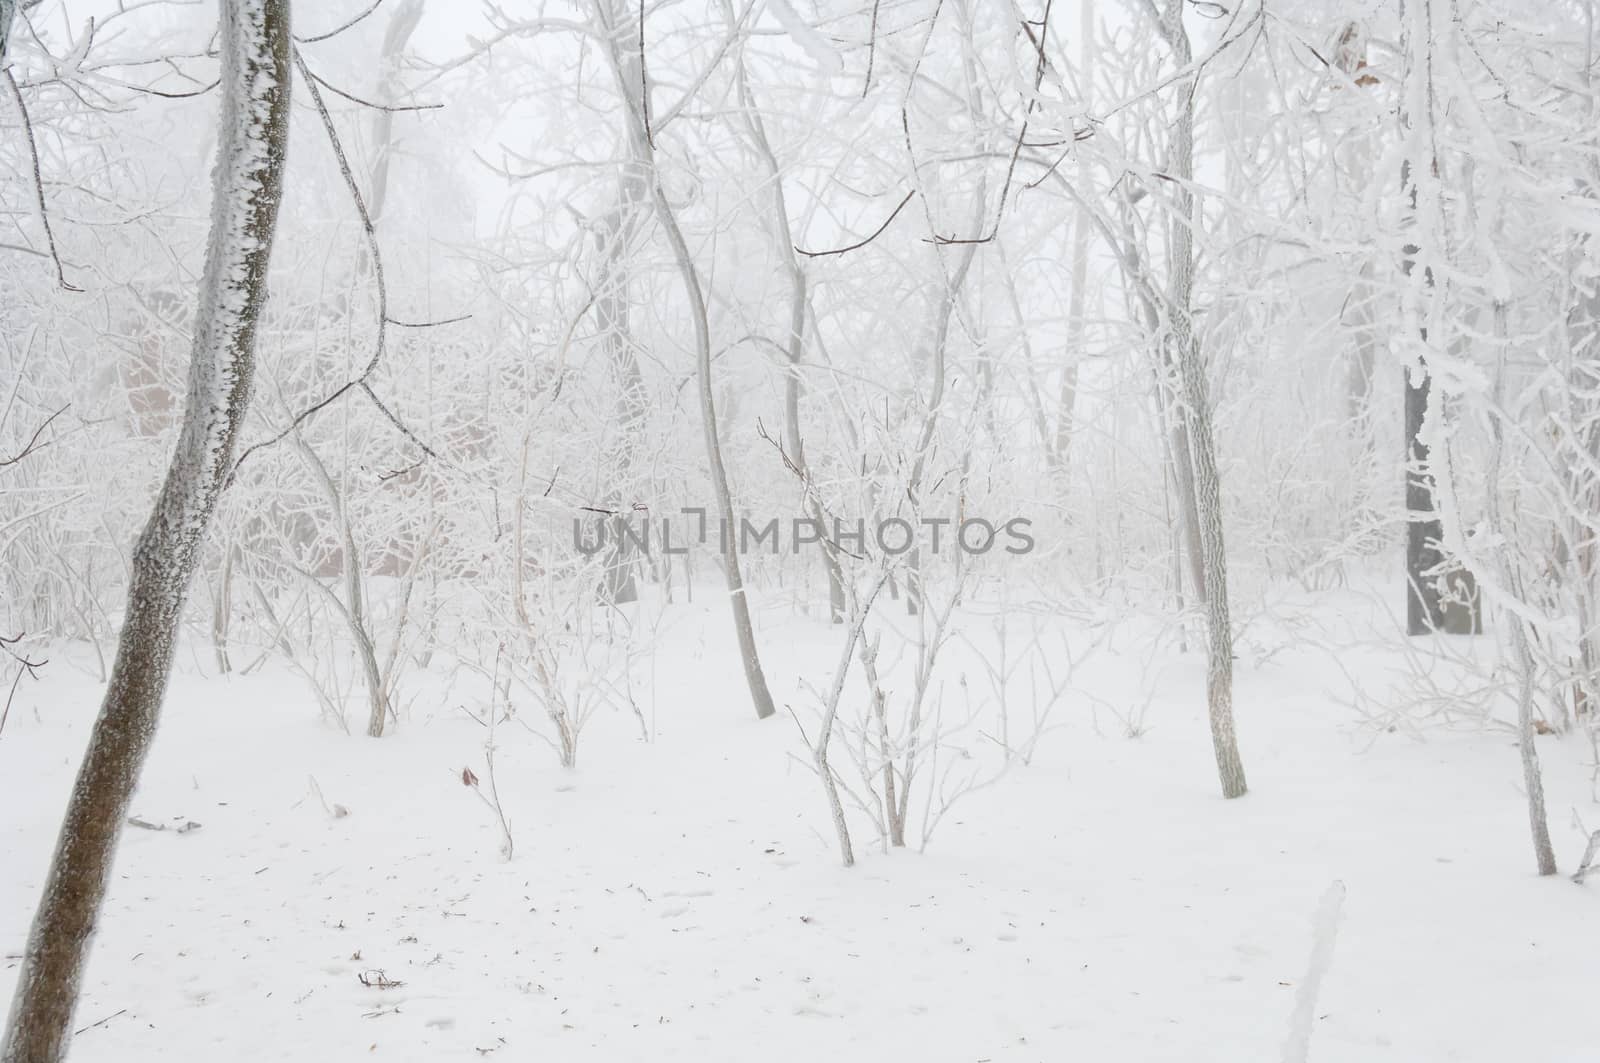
(254, 45)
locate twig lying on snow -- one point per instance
(102, 1022)
(144, 824)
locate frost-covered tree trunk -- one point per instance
(353, 609)
(619, 19)
(1581, 342)
(612, 299)
(1532, 776)
(939, 356)
(1349, 58)
(794, 342)
(611, 311)
(8, 11)
(1428, 607)
(1077, 297)
(1175, 430)
(1425, 610)
(1183, 466)
(402, 24)
(1423, 529)
(1197, 416)
(254, 45)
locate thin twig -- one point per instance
(38, 183)
(863, 242)
(337, 91)
(340, 29)
(1040, 65)
(102, 1022)
(33, 443)
(371, 236)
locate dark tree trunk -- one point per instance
(1438, 597)
(254, 43)
(1423, 612)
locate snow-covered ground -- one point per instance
(682, 898)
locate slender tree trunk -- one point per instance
(1066, 407)
(1077, 299)
(1362, 374)
(1197, 415)
(402, 24)
(930, 420)
(354, 607)
(620, 21)
(1350, 59)
(1582, 548)
(1176, 431)
(739, 602)
(938, 349)
(793, 384)
(254, 44)
(791, 422)
(612, 302)
(1363, 359)
(611, 309)
(1532, 777)
(1582, 334)
(1183, 465)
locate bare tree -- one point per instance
(1532, 777)
(402, 24)
(615, 233)
(246, 186)
(624, 33)
(1439, 594)
(1066, 404)
(1197, 416)
(794, 342)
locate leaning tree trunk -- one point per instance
(1197, 415)
(794, 346)
(1176, 430)
(254, 45)
(620, 22)
(1532, 777)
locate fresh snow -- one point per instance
(682, 898)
